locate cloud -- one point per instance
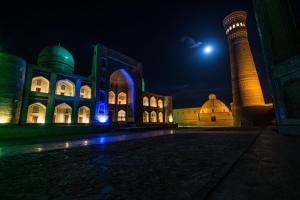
(190, 42)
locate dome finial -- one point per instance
(212, 96)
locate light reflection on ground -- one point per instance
(100, 139)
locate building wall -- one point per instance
(193, 117)
(51, 99)
(281, 50)
(186, 116)
(11, 87)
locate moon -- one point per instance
(208, 49)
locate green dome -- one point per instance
(56, 58)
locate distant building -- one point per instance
(50, 93)
(212, 113)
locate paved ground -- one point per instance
(193, 164)
(179, 166)
(269, 170)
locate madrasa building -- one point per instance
(50, 93)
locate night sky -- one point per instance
(148, 32)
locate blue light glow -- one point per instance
(132, 88)
(102, 118)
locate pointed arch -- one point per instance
(40, 84)
(160, 117)
(65, 87)
(160, 103)
(121, 116)
(36, 113)
(122, 98)
(145, 101)
(62, 113)
(111, 97)
(85, 92)
(153, 117)
(153, 102)
(145, 117)
(83, 115)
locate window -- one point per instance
(39, 84)
(153, 117)
(62, 113)
(85, 92)
(65, 87)
(153, 102)
(111, 97)
(83, 114)
(122, 98)
(160, 103)
(213, 118)
(146, 117)
(145, 101)
(121, 116)
(35, 109)
(160, 117)
(36, 113)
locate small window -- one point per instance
(38, 89)
(212, 110)
(35, 109)
(39, 82)
(213, 118)
(63, 87)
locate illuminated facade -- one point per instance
(50, 92)
(248, 99)
(212, 113)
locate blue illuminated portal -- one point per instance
(102, 115)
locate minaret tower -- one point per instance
(246, 89)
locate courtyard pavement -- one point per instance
(189, 164)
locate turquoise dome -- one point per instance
(56, 58)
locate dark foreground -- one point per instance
(191, 164)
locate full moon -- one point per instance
(208, 49)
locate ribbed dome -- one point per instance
(56, 58)
(213, 105)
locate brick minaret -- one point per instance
(246, 89)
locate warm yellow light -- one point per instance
(171, 118)
(4, 119)
(39, 149)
